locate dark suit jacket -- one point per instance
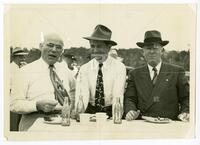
(168, 98)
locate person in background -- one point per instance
(17, 61)
(113, 53)
(40, 87)
(102, 79)
(71, 62)
(18, 57)
(157, 89)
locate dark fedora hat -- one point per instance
(152, 36)
(102, 33)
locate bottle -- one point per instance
(117, 112)
(80, 108)
(65, 112)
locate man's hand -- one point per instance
(132, 115)
(46, 105)
(184, 117)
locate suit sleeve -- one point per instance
(130, 97)
(183, 91)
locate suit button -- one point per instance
(156, 99)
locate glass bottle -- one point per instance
(80, 108)
(117, 112)
(65, 112)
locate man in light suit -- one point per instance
(102, 79)
(157, 89)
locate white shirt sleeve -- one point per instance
(19, 99)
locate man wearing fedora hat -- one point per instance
(157, 89)
(102, 79)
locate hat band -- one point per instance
(152, 39)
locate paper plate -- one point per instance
(156, 119)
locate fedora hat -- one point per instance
(18, 51)
(152, 36)
(102, 33)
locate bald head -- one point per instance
(53, 37)
(51, 48)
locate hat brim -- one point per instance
(142, 44)
(21, 53)
(113, 43)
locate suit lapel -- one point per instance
(145, 82)
(163, 72)
(158, 86)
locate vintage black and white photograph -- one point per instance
(99, 71)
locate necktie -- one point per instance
(154, 76)
(59, 90)
(99, 94)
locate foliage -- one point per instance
(132, 57)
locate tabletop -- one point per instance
(108, 130)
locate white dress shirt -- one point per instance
(32, 83)
(151, 72)
(114, 78)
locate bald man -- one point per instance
(34, 93)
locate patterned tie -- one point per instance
(155, 76)
(59, 90)
(99, 94)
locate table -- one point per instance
(135, 129)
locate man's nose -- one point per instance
(54, 48)
(152, 50)
(95, 50)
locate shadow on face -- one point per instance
(153, 53)
(99, 50)
(18, 59)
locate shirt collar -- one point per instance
(106, 63)
(45, 65)
(157, 67)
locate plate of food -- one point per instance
(53, 119)
(156, 119)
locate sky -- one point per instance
(25, 24)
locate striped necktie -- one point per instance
(155, 76)
(99, 94)
(59, 90)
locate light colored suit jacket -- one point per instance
(114, 78)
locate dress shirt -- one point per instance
(114, 78)
(151, 72)
(32, 83)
